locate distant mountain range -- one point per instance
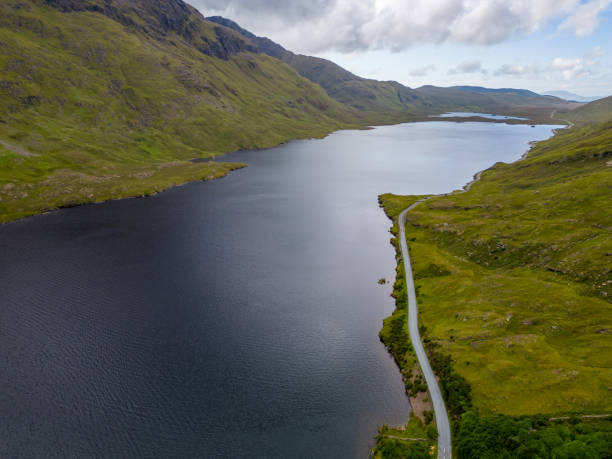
(570, 96)
(389, 98)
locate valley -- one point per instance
(95, 115)
(242, 317)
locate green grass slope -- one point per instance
(391, 101)
(384, 101)
(387, 99)
(105, 99)
(520, 297)
(595, 112)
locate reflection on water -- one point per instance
(482, 115)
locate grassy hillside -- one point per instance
(392, 101)
(514, 281)
(594, 112)
(110, 99)
(389, 98)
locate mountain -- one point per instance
(507, 91)
(569, 96)
(390, 99)
(518, 102)
(104, 99)
(396, 100)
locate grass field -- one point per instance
(414, 440)
(30, 185)
(514, 280)
(527, 340)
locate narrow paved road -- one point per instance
(569, 123)
(444, 435)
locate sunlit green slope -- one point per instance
(106, 99)
(514, 281)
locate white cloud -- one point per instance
(516, 70)
(585, 18)
(423, 71)
(571, 68)
(595, 53)
(350, 25)
(562, 64)
(467, 67)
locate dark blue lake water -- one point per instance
(233, 318)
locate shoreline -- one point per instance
(421, 402)
(150, 192)
(218, 159)
(441, 298)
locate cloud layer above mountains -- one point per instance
(353, 25)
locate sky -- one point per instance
(540, 45)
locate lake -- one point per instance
(482, 115)
(231, 318)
